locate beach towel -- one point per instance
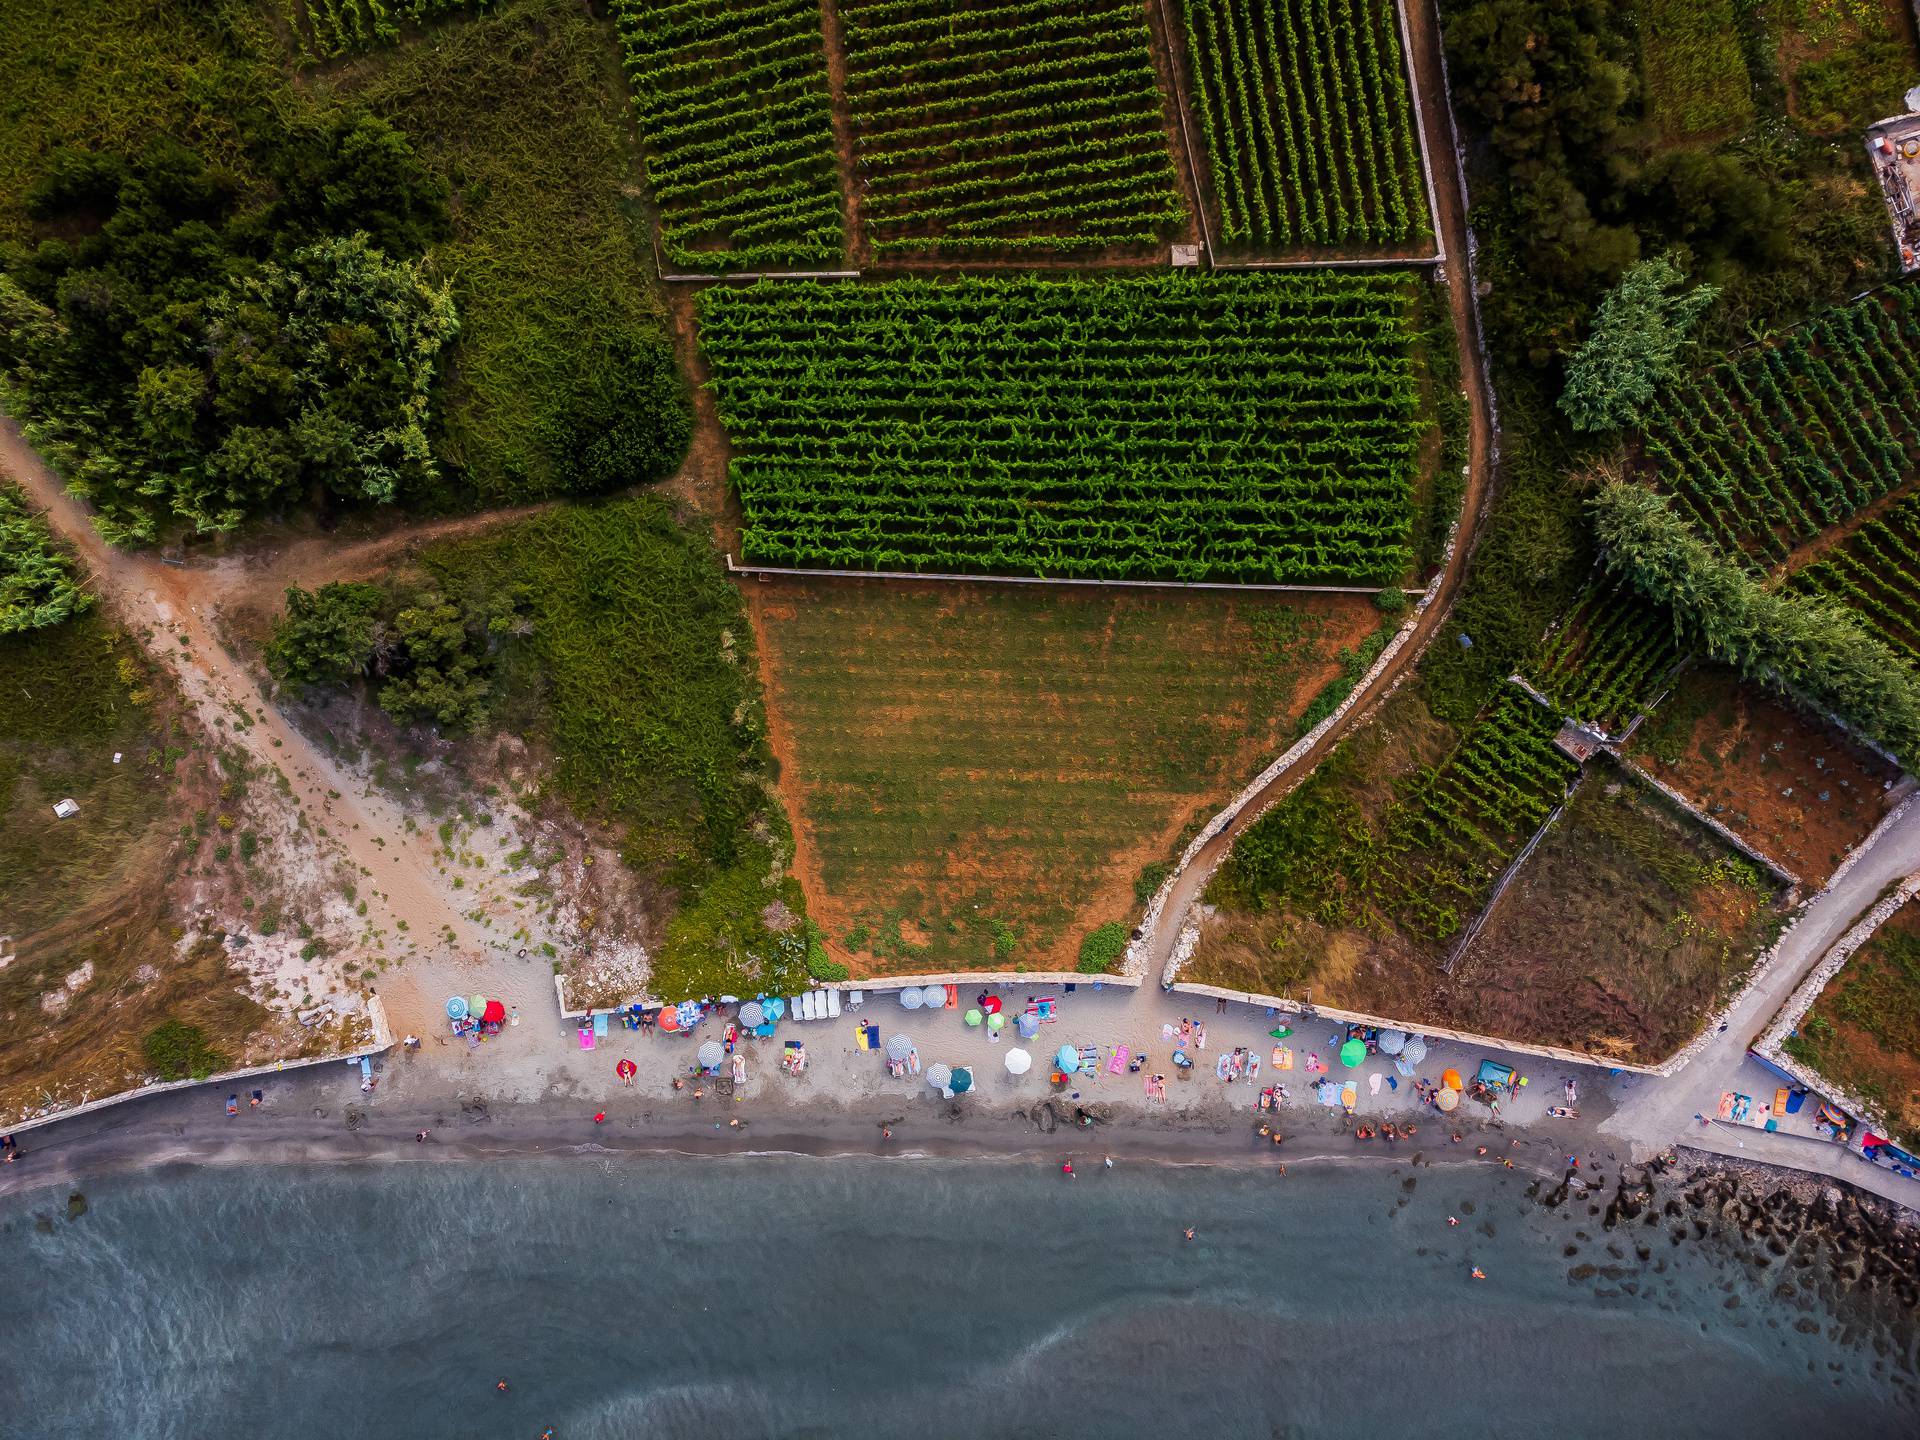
(1253, 1067)
(586, 1037)
(1118, 1063)
(1166, 1031)
(1222, 1068)
(1283, 1057)
(600, 1027)
(953, 997)
(1373, 1084)
(1328, 1092)
(1043, 1009)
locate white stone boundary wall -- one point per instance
(1140, 951)
(1420, 124)
(1460, 1037)
(804, 572)
(892, 984)
(1772, 1044)
(381, 1043)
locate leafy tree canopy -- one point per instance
(1637, 335)
(327, 636)
(37, 587)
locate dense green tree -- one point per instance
(1634, 347)
(327, 636)
(1791, 642)
(354, 172)
(437, 672)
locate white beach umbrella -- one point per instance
(1414, 1051)
(711, 1053)
(899, 1047)
(938, 1075)
(1392, 1042)
(1019, 1062)
(934, 997)
(911, 998)
(752, 1015)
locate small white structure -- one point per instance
(1185, 256)
(66, 809)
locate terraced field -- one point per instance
(1007, 127)
(1165, 425)
(733, 105)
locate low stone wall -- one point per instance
(1462, 1037)
(381, 1043)
(892, 984)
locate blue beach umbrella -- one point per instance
(1067, 1060)
(1028, 1025)
(774, 1006)
(910, 998)
(457, 1007)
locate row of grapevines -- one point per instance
(1604, 662)
(1875, 573)
(1169, 425)
(1453, 829)
(734, 108)
(1308, 121)
(1769, 448)
(337, 27)
(985, 126)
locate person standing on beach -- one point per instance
(10, 1147)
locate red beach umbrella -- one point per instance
(669, 1019)
(991, 1004)
(494, 1014)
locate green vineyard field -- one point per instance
(1768, 448)
(1875, 573)
(987, 127)
(340, 27)
(1308, 122)
(1603, 664)
(1163, 425)
(734, 108)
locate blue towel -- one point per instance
(600, 1026)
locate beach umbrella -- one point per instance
(753, 1015)
(1352, 1053)
(456, 1007)
(961, 1082)
(1018, 1062)
(774, 1006)
(476, 1005)
(934, 997)
(1028, 1025)
(1415, 1051)
(991, 1004)
(1392, 1042)
(938, 1075)
(688, 1012)
(494, 1014)
(1180, 1058)
(974, 1017)
(1447, 1099)
(911, 998)
(729, 999)
(1067, 1060)
(1451, 1080)
(669, 1018)
(899, 1047)
(996, 1022)
(710, 1054)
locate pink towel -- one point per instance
(1118, 1064)
(586, 1037)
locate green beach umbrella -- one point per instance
(996, 1022)
(1352, 1053)
(973, 1017)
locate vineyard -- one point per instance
(1766, 449)
(1603, 663)
(1308, 121)
(1007, 126)
(1875, 573)
(733, 105)
(1455, 828)
(339, 27)
(1244, 428)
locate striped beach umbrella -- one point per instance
(939, 1075)
(911, 998)
(752, 1015)
(899, 1047)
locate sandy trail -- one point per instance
(171, 609)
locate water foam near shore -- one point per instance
(787, 1297)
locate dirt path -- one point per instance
(171, 609)
(1423, 25)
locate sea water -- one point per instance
(667, 1297)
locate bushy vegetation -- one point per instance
(1308, 122)
(1793, 642)
(1248, 427)
(1006, 126)
(1696, 80)
(178, 1051)
(1633, 352)
(37, 587)
(338, 27)
(733, 102)
(1102, 948)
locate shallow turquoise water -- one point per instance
(790, 1297)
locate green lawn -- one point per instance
(1863, 1032)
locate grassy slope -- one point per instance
(525, 112)
(639, 676)
(1863, 1031)
(967, 762)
